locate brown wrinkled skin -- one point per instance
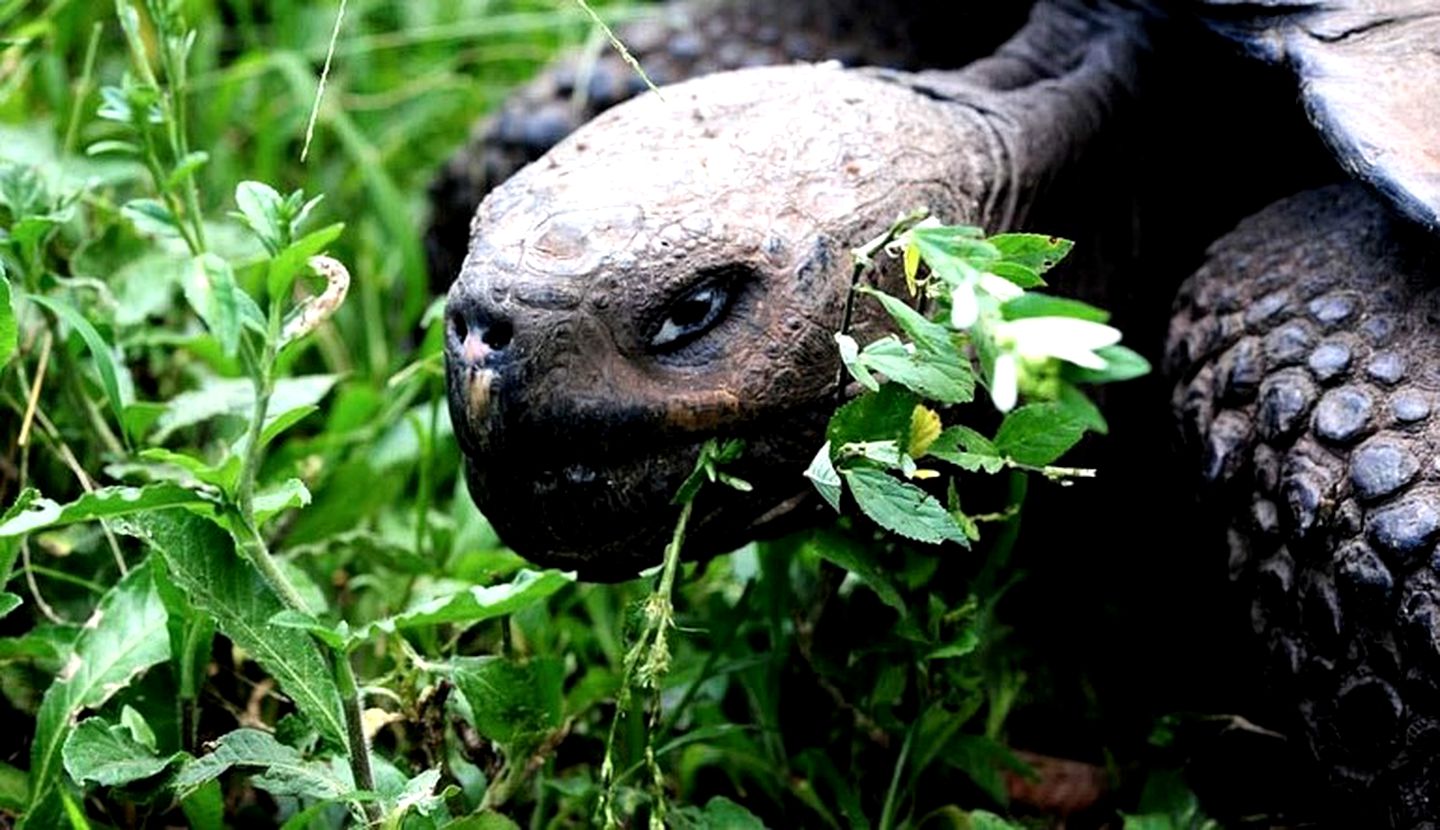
(578, 431)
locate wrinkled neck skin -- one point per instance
(579, 419)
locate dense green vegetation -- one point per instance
(246, 586)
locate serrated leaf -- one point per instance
(211, 290)
(1035, 251)
(924, 429)
(289, 263)
(931, 376)
(107, 502)
(285, 770)
(1121, 363)
(516, 704)
(1038, 434)
(9, 331)
(103, 358)
(475, 604)
(954, 253)
(902, 508)
(826, 479)
(1021, 275)
(109, 755)
(928, 335)
(1079, 405)
(877, 416)
(850, 357)
(967, 449)
(125, 636)
(201, 559)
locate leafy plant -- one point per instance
(246, 585)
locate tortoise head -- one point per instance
(672, 272)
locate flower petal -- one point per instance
(999, 287)
(1004, 386)
(964, 308)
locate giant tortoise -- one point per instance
(674, 270)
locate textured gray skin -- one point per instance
(576, 432)
(1305, 352)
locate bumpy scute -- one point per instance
(1306, 355)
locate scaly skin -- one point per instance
(686, 40)
(1305, 356)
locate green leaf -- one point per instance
(516, 704)
(289, 263)
(954, 253)
(878, 416)
(225, 475)
(104, 359)
(929, 336)
(1035, 251)
(1032, 304)
(286, 772)
(211, 290)
(289, 494)
(967, 449)
(823, 475)
(185, 168)
(1078, 405)
(902, 508)
(14, 788)
(475, 604)
(235, 397)
(850, 356)
(864, 561)
(151, 218)
(721, 813)
(109, 755)
(1121, 363)
(1019, 274)
(201, 559)
(1038, 434)
(8, 602)
(107, 502)
(204, 807)
(9, 332)
(260, 207)
(932, 376)
(125, 636)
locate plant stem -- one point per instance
(355, 729)
(887, 814)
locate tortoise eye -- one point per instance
(692, 315)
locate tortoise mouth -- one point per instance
(605, 518)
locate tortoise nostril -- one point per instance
(497, 335)
(458, 327)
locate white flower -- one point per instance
(1004, 384)
(1066, 338)
(1037, 339)
(965, 305)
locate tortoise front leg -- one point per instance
(1307, 359)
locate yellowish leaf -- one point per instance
(924, 429)
(912, 266)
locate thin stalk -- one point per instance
(887, 814)
(355, 729)
(82, 89)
